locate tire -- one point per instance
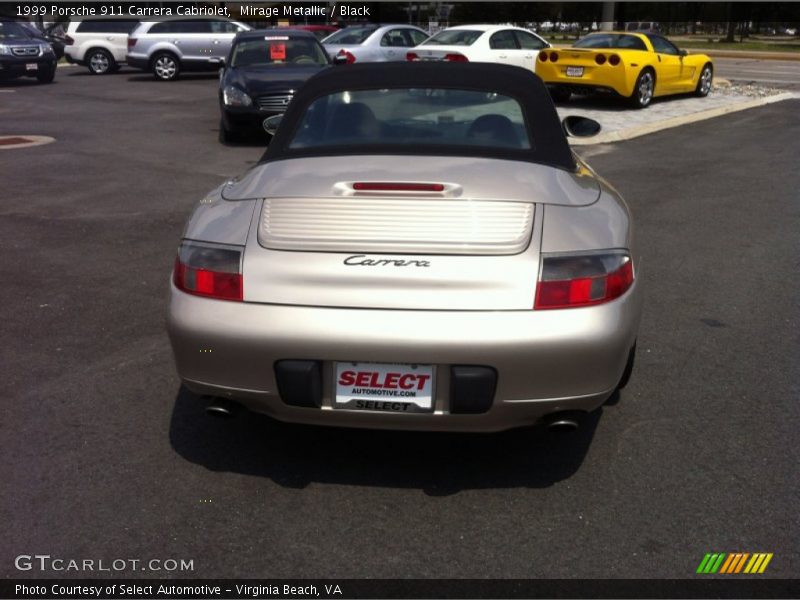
(560, 94)
(626, 374)
(165, 66)
(46, 75)
(100, 62)
(643, 89)
(228, 136)
(705, 81)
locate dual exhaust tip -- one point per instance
(559, 423)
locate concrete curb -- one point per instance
(634, 132)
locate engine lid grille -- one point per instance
(396, 225)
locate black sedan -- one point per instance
(261, 75)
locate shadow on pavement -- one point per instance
(439, 464)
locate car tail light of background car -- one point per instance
(613, 60)
(209, 270)
(600, 59)
(553, 57)
(348, 56)
(456, 58)
(69, 41)
(573, 280)
(131, 43)
(411, 56)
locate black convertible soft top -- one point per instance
(549, 145)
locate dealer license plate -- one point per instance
(400, 388)
(574, 71)
(31, 66)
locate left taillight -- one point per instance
(209, 270)
(575, 280)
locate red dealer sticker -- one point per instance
(277, 51)
(384, 387)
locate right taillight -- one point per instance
(575, 280)
(209, 270)
(131, 43)
(412, 56)
(600, 59)
(349, 57)
(455, 58)
(68, 41)
(543, 56)
(613, 60)
(554, 57)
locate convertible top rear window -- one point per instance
(419, 116)
(423, 109)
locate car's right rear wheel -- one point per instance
(166, 67)
(644, 89)
(100, 62)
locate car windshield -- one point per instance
(453, 37)
(611, 40)
(350, 36)
(413, 117)
(276, 51)
(12, 31)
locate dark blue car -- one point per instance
(262, 73)
(23, 55)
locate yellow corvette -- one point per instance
(637, 66)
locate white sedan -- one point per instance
(373, 43)
(482, 43)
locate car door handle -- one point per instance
(176, 42)
(110, 39)
(216, 41)
(503, 56)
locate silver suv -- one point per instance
(182, 44)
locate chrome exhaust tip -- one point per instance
(564, 422)
(221, 408)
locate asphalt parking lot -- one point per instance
(107, 457)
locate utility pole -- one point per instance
(607, 24)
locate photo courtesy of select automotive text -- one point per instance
(402, 299)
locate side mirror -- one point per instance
(270, 124)
(340, 59)
(576, 126)
(683, 53)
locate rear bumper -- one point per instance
(546, 361)
(600, 78)
(137, 61)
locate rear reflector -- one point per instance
(569, 281)
(382, 186)
(209, 270)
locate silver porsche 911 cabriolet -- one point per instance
(418, 249)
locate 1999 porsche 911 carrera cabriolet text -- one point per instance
(418, 249)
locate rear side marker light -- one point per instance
(553, 57)
(543, 56)
(456, 58)
(613, 60)
(412, 56)
(209, 270)
(571, 281)
(600, 59)
(380, 186)
(349, 56)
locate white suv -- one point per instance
(165, 48)
(98, 44)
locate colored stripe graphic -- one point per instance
(730, 563)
